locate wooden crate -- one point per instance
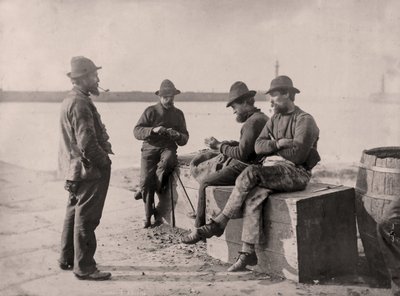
(310, 235)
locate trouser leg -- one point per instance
(165, 166)
(67, 236)
(91, 196)
(244, 183)
(148, 168)
(253, 226)
(280, 177)
(223, 177)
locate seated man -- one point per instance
(239, 154)
(161, 127)
(292, 135)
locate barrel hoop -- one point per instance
(379, 169)
(377, 196)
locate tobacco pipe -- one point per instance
(105, 90)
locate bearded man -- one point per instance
(86, 166)
(162, 128)
(240, 154)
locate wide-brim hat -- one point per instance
(167, 89)
(282, 82)
(81, 66)
(239, 90)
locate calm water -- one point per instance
(29, 135)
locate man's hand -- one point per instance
(284, 143)
(174, 135)
(160, 130)
(212, 143)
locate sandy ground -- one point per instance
(143, 262)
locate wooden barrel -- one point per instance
(378, 184)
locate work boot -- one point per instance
(138, 195)
(158, 220)
(147, 223)
(95, 276)
(243, 260)
(210, 229)
(192, 238)
(65, 265)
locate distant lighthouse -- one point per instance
(276, 68)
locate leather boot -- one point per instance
(243, 260)
(147, 223)
(95, 276)
(211, 229)
(192, 238)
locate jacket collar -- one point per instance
(79, 90)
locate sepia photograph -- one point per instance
(203, 147)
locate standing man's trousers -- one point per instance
(84, 210)
(277, 176)
(155, 170)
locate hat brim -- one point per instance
(278, 88)
(177, 92)
(249, 94)
(77, 75)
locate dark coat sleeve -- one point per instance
(82, 121)
(144, 126)
(183, 133)
(249, 133)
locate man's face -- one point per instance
(280, 103)
(240, 110)
(167, 102)
(91, 83)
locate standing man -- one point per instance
(240, 154)
(162, 127)
(389, 242)
(84, 161)
(291, 135)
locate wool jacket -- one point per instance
(297, 125)
(84, 145)
(154, 116)
(244, 149)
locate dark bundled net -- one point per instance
(385, 152)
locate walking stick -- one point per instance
(172, 202)
(184, 190)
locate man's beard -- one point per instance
(94, 91)
(280, 109)
(241, 117)
(168, 105)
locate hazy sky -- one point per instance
(330, 48)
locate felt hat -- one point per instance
(282, 82)
(167, 89)
(239, 90)
(81, 66)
